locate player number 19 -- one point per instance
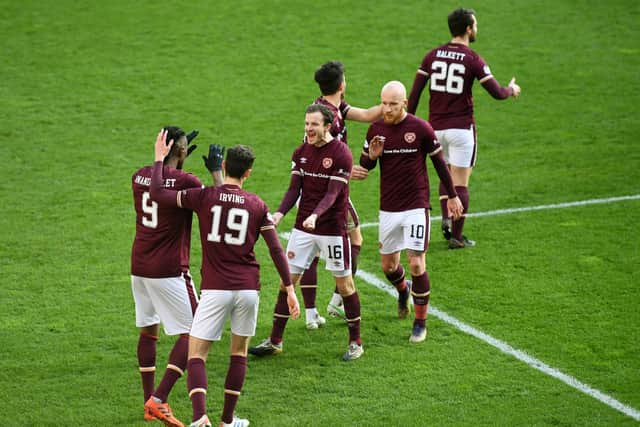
(237, 221)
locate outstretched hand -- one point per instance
(515, 87)
(359, 173)
(213, 162)
(376, 147)
(276, 218)
(190, 137)
(162, 147)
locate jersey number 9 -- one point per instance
(150, 209)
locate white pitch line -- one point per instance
(501, 345)
(533, 208)
(507, 349)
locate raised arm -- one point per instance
(157, 191)
(364, 115)
(213, 163)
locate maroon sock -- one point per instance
(355, 253)
(444, 196)
(397, 279)
(352, 313)
(310, 275)
(197, 386)
(280, 316)
(233, 386)
(309, 284)
(309, 295)
(175, 368)
(147, 363)
(420, 291)
(458, 224)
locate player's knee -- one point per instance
(345, 287)
(389, 267)
(416, 266)
(355, 236)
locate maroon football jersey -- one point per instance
(317, 166)
(404, 183)
(163, 234)
(451, 70)
(230, 223)
(338, 127)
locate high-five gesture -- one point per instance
(162, 148)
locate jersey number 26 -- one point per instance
(447, 77)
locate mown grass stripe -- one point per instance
(507, 349)
(436, 218)
(501, 345)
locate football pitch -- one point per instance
(538, 325)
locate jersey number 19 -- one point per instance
(237, 221)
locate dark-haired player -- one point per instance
(330, 77)
(162, 287)
(452, 69)
(231, 220)
(400, 143)
(320, 172)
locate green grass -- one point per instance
(87, 85)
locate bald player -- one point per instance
(400, 143)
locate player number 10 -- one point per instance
(417, 231)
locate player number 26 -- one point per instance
(447, 77)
